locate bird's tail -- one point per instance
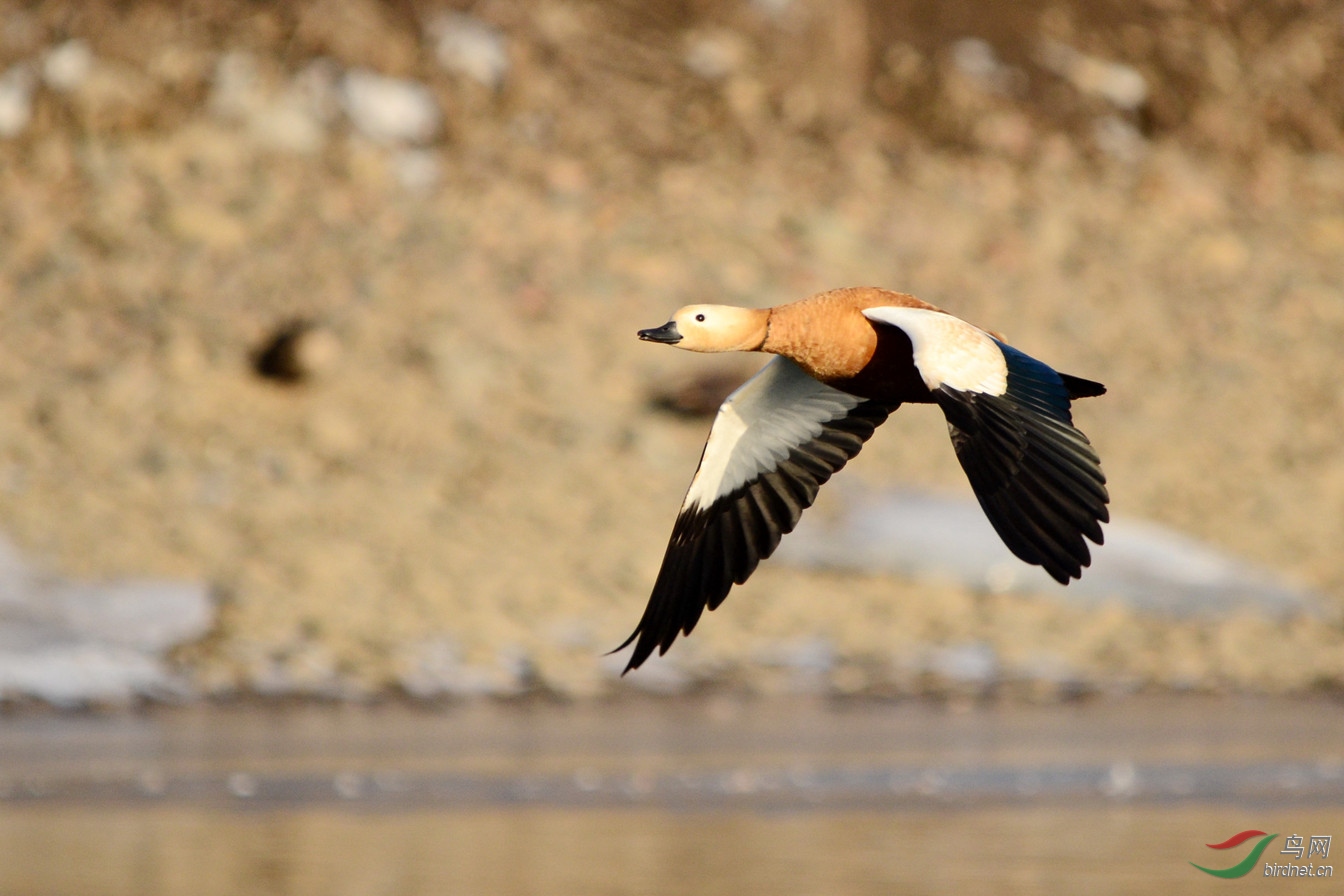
(1081, 388)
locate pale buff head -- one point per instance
(712, 328)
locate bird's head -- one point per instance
(712, 328)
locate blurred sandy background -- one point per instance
(470, 488)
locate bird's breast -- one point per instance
(829, 337)
(888, 374)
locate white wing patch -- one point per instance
(948, 351)
(770, 415)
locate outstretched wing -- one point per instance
(773, 443)
(1036, 475)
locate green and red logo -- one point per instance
(1242, 868)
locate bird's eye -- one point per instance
(700, 318)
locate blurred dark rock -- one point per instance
(295, 351)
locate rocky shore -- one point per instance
(329, 308)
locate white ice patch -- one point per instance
(760, 424)
(74, 642)
(948, 351)
(1150, 568)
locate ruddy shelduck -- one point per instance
(846, 359)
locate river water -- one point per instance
(704, 796)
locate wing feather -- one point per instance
(1035, 474)
(773, 444)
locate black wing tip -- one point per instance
(633, 663)
(643, 649)
(1056, 527)
(1062, 576)
(1036, 475)
(714, 548)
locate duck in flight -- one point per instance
(845, 360)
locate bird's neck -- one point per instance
(828, 345)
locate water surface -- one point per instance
(688, 796)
